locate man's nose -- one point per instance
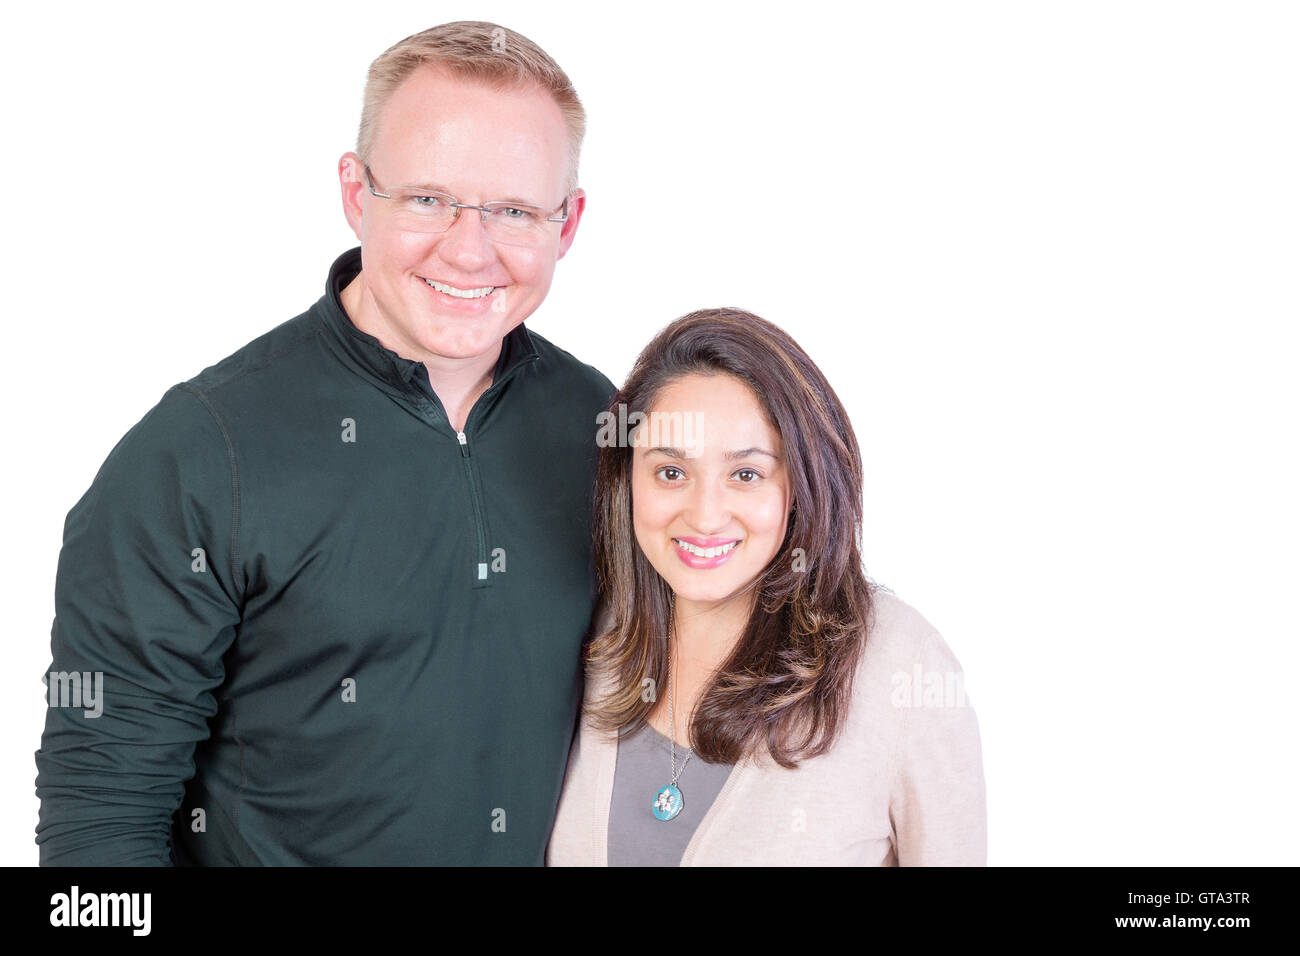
(465, 243)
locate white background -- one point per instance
(1045, 252)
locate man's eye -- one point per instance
(427, 202)
(515, 214)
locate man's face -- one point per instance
(479, 145)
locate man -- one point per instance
(339, 581)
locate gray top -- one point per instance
(643, 766)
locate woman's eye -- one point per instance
(749, 471)
(669, 473)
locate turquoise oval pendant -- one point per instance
(668, 803)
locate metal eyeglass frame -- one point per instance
(458, 205)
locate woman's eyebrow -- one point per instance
(730, 456)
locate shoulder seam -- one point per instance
(308, 334)
(902, 728)
(234, 481)
(563, 354)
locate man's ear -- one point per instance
(352, 184)
(570, 228)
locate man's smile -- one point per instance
(459, 293)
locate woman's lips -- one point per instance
(705, 561)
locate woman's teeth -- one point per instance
(461, 293)
(706, 552)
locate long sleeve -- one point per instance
(146, 605)
(937, 803)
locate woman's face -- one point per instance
(710, 490)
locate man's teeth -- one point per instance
(705, 552)
(461, 293)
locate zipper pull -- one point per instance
(464, 444)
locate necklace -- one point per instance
(668, 800)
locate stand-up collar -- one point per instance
(366, 352)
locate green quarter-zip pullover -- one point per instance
(320, 625)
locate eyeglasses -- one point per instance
(506, 223)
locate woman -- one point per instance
(753, 698)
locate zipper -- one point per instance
(482, 572)
(476, 502)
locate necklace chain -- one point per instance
(668, 800)
(672, 716)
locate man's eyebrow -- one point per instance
(519, 201)
(439, 188)
(431, 187)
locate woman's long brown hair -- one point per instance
(787, 682)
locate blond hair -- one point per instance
(478, 51)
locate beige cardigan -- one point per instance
(902, 785)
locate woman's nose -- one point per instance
(708, 511)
